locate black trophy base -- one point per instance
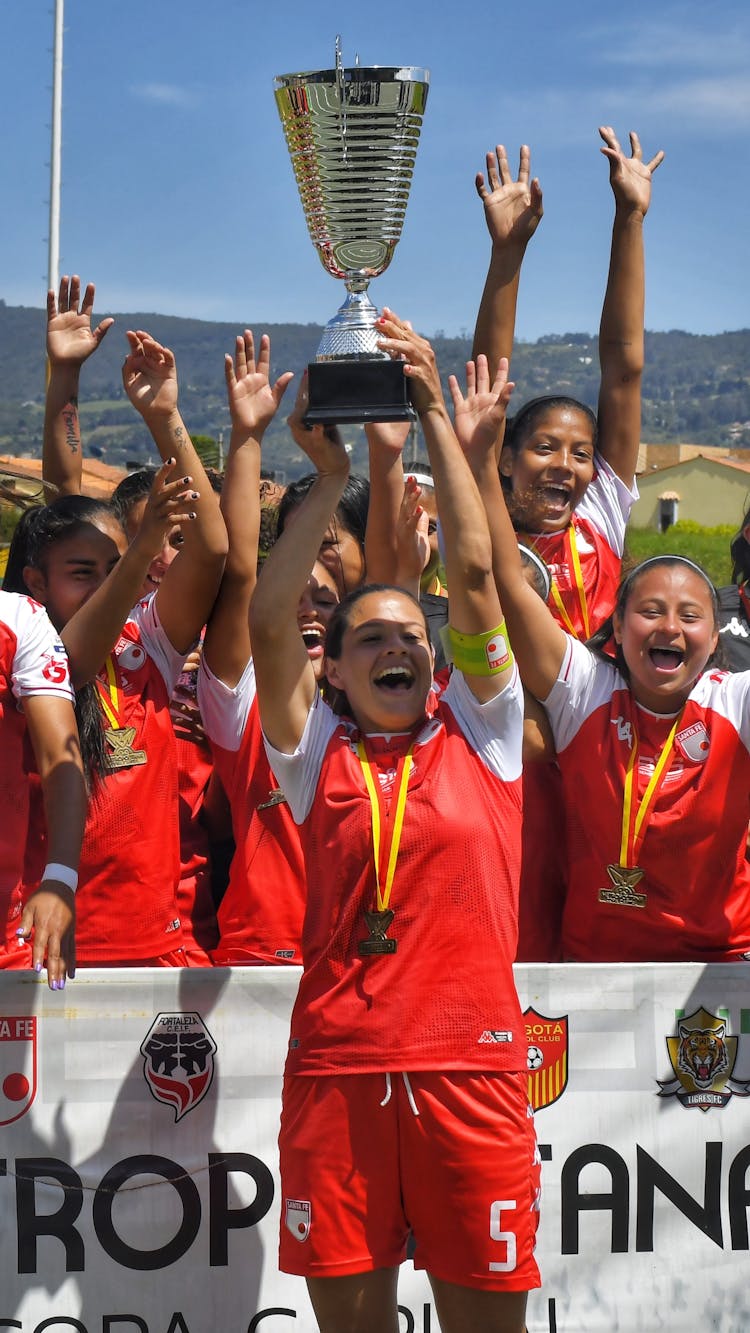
(348, 391)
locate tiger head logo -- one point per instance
(702, 1054)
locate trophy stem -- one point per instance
(352, 334)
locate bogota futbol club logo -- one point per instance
(547, 1057)
(178, 1061)
(17, 1067)
(703, 1057)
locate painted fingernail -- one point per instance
(19, 930)
(37, 967)
(195, 495)
(61, 984)
(185, 481)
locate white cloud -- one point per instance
(166, 94)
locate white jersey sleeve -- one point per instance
(297, 774)
(607, 503)
(223, 709)
(585, 683)
(40, 663)
(493, 729)
(154, 639)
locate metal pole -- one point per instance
(53, 261)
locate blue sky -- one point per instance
(178, 194)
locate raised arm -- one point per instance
(92, 631)
(188, 590)
(50, 912)
(385, 444)
(512, 211)
(537, 641)
(70, 341)
(284, 675)
(474, 603)
(621, 333)
(253, 403)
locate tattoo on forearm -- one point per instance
(70, 418)
(180, 436)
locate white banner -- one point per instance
(138, 1180)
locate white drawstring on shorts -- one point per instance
(409, 1093)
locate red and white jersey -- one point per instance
(599, 524)
(695, 889)
(446, 998)
(260, 916)
(130, 860)
(32, 662)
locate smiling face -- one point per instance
(316, 606)
(75, 566)
(667, 632)
(550, 469)
(386, 661)
(340, 552)
(160, 564)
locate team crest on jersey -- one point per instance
(18, 1065)
(693, 743)
(297, 1218)
(130, 656)
(703, 1057)
(547, 1057)
(178, 1061)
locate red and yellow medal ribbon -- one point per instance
(574, 561)
(384, 884)
(110, 699)
(634, 814)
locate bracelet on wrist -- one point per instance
(63, 874)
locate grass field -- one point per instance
(708, 546)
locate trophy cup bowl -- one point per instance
(352, 135)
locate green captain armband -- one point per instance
(478, 654)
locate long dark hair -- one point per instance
(37, 532)
(739, 549)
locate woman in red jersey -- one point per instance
(406, 1084)
(568, 473)
(36, 701)
(74, 557)
(654, 750)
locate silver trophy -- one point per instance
(352, 135)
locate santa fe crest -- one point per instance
(178, 1061)
(547, 1057)
(703, 1057)
(17, 1066)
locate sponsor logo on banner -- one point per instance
(178, 1060)
(703, 1057)
(297, 1217)
(17, 1066)
(547, 1057)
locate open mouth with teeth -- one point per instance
(556, 497)
(395, 678)
(666, 659)
(313, 641)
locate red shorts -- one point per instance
(367, 1158)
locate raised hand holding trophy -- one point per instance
(352, 136)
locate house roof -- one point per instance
(98, 479)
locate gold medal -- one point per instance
(378, 942)
(275, 797)
(119, 738)
(123, 754)
(385, 856)
(622, 893)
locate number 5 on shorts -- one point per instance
(496, 1233)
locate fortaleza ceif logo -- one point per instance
(547, 1057)
(703, 1057)
(178, 1061)
(17, 1066)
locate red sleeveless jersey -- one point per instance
(446, 998)
(695, 888)
(260, 916)
(130, 860)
